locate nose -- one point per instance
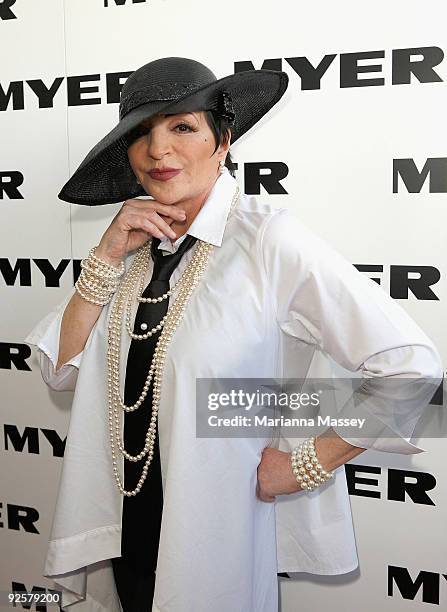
(158, 142)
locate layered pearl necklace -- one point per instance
(121, 311)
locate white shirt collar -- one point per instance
(209, 224)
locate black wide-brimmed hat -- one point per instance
(168, 85)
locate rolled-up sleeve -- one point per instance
(45, 336)
(320, 298)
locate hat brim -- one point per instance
(105, 175)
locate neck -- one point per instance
(192, 208)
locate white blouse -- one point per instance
(275, 302)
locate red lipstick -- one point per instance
(163, 174)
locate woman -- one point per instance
(177, 522)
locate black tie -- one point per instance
(134, 570)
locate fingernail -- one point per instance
(182, 214)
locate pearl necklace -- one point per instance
(120, 309)
(139, 298)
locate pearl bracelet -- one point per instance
(306, 467)
(103, 266)
(98, 280)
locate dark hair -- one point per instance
(222, 131)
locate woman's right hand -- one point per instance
(133, 225)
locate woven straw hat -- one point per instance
(168, 85)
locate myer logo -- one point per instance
(9, 185)
(405, 63)
(32, 439)
(406, 68)
(266, 175)
(80, 90)
(269, 174)
(426, 586)
(435, 168)
(405, 279)
(391, 484)
(23, 273)
(5, 9)
(14, 354)
(19, 518)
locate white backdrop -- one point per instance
(339, 144)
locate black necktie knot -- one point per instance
(164, 265)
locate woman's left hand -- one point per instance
(275, 476)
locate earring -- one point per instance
(221, 166)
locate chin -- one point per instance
(164, 197)
(164, 193)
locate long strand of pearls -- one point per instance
(119, 312)
(129, 305)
